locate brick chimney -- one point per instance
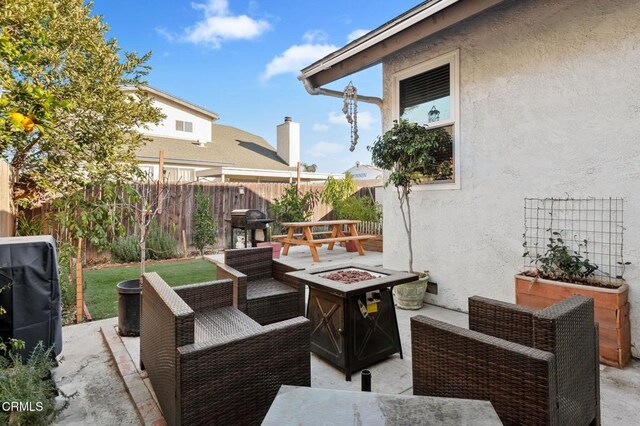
(288, 138)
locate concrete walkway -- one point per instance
(86, 367)
(300, 257)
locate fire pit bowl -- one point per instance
(351, 275)
(353, 319)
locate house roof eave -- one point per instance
(394, 35)
(162, 94)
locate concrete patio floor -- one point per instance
(300, 257)
(88, 368)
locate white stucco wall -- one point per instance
(167, 128)
(550, 107)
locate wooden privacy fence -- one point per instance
(7, 217)
(176, 214)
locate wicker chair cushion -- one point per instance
(220, 322)
(266, 288)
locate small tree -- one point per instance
(145, 204)
(64, 119)
(205, 228)
(294, 207)
(337, 190)
(411, 152)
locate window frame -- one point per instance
(179, 170)
(453, 59)
(183, 126)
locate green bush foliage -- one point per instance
(337, 190)
(293, 207)
(126, 249)
(30, 383)
(358, 208)
(160, 244)
(205, 228)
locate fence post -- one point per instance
(79, 286)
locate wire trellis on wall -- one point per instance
(598, 221)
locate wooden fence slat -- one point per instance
(178, 210)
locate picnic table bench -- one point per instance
(335, 235)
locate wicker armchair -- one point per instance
(211, 364)
(537, 367)
(260, 287)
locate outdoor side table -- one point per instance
(353, 325)
(295, 405)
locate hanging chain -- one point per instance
(350, 110)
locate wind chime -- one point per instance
(350, 110)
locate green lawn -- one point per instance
(100, 284)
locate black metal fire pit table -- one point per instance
(353, 325)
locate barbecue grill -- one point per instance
(249, 220)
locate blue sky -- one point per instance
(241, 59)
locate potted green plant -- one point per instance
(564, 269)
(411, 153)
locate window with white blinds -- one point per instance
(179, 174)
(427, 94)
(184, 126)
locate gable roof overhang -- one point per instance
(428, 18)
(169, 97)
(265, 173)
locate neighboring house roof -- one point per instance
(364, 166)
(415, 24)
(230, 147)
(167, 96)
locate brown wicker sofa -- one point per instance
(209, 363)
(261, 288)
(537, 367)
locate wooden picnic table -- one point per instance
(334, 235)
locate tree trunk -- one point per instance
(143, 247)
(406, 219)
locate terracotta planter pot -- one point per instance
(611, 311)
(276, 248)
(350, 245)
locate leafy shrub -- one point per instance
(337, 190)
(29, 383)
(26, 226)
(560, 262)
(294, 207)
(205, 228)
(160, 244)
(358, 208)
(126, 249)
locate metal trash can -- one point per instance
(129, 307)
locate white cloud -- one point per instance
(295, 58)
(356, 34)
(219, 24)
(315, 36)
(365, 119)
(325, 149)
(166, 34)
(317, 127)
